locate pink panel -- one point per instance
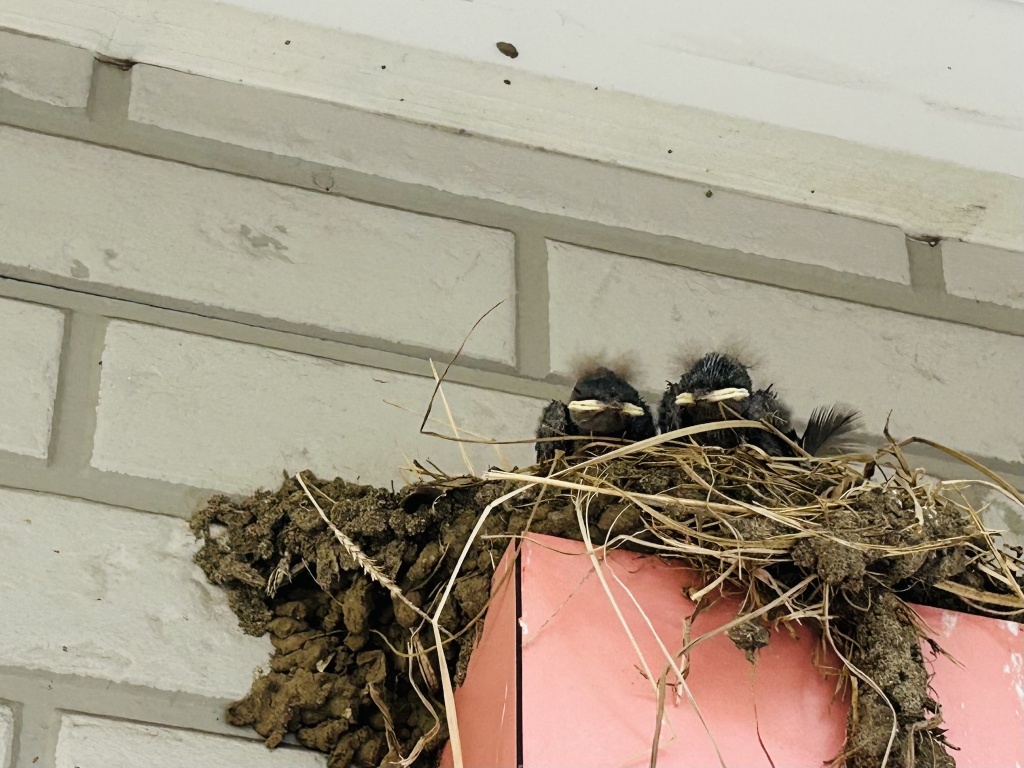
(982, 697)
(585, 701)
(601, 711)
(486, 703)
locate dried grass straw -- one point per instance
(708, 519)
(704, 522)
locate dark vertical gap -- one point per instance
(519, 661)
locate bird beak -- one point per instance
(729, 393)
(717, 396)
(631, 409)
(596, 406)
(587, 406)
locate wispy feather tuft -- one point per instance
(828, 430)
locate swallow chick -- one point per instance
(718, 380)
(602, 404)
(701, 395)
(764, 405)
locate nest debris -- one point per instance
(346, 577)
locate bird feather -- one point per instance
(828, 429)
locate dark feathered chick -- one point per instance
(718, 387)
(715, 386)
(764, 405)
(602, 404)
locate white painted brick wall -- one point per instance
(105, 592)
(123, 220)
(550, 183)
(984, 274)
(216, 414)
(30, 343)
(45, 71)
(95, 742)
(6, 736)
(929, 373)
(108, 594)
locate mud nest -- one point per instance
(346, 578)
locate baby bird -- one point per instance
(764, 405)
(718, 387)
(602, 404)
(700, 397)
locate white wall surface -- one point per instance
(910, 117)
(95, 742)
(940, 78)
(239, 252)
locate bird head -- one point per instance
(604, 403)
(713, 381)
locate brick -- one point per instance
(109, 593)
(984, 274)
(216, 414)
(96, 742)
(6, 736)
(930, 374)
(29, 360)
(45, 71)
(254, 247)
(543, 181)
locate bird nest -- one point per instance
(373, 599)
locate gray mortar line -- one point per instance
(26, 282)
(36, 726)
(104, 698)
(7, 700)
(111, 488)
(926, 272)
(790, 275)
(533, 331)
(78, 387)
(209, 154)
(110, 91)
(401, 361)
(40, 698)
